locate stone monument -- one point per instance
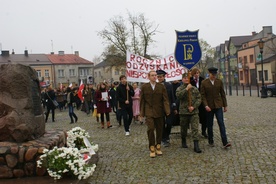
(21, 114)
(22, 125)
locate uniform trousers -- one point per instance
(154, 123)
(185, 120)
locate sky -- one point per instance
(43, 26)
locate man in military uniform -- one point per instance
(168, 119)
(190, 100)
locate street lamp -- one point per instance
(263, 91)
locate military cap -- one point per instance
(213, 70)
(116, 83)
(160, 72)
(185, 75)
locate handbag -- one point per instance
(54, 101)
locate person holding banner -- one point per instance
(168, 119)
(188, 110)
(215, 103)
(154, 105)
(124, 92)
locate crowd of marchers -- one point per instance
(188, 103)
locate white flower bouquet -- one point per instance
(71, 160)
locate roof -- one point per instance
(30, 59)
(67, 59)
(101, 64)
(239, 40)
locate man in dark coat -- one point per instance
(168, 119)
(124, 92)
(49, 96)
(154, 105)
(215, 103)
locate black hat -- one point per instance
(161, 72)
(213, 70)
(116, 83)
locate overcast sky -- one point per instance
(72, 25)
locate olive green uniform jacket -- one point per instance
(182, 95)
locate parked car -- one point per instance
(270, 89)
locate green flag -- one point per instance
(259, 57)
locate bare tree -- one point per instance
(134, 34)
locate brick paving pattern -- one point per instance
(251, 128)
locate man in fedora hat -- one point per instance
(215, 103)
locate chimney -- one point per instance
(254, 33)
(26, 53)
(61, 53)
(13, 51)
(5, 53)
(52, 53)
(77, 53)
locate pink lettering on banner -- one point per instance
(137, 67)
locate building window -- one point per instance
(251, 58)
(116, 72)
(260, 75)
(71, 72)
(60, 73)
(84, 72)
(95, 74)
(265, 75)
(240, 59)
(47, 73)
(241, 75)
(38, 73)
(245, 59)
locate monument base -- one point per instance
(19, 159)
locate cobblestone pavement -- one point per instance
(251, 128)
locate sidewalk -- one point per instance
(251, 128)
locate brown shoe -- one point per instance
(158, 150)
(152, 152)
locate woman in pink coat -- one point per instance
(136, 103)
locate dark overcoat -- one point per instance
(102, 106)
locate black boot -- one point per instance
(184, 144)
(196, 147)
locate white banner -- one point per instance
(138, 67)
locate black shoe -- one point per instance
(53, 120)
(227, 145)
(76, 119)
(211, 143)
(196, 147)
(205, 135)
(184, 144)
(71, 122)
(165, 143)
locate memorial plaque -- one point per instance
(36, 98)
